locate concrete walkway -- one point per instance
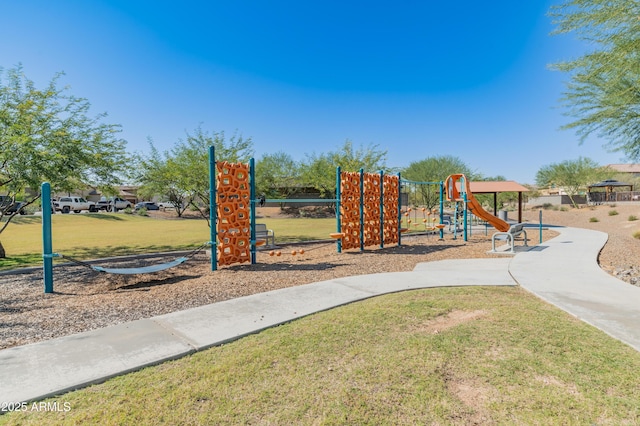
(562, 271)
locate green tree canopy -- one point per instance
(182, 174)
(436, 169)
(48, 135)
(160, 174)
(571, 175)
(277, 175)
(319, 170)
(603, 94)
(433, 169)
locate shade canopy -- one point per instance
(494, 187)
(609, 184)
(489, 187)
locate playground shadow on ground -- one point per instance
(286, 266)
(133, 284)
(405, 250)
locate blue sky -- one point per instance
(417, 78)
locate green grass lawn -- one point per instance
(438, 356)
(91, 236)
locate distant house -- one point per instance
(633, 170)
(129, 193)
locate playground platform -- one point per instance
(562, 271)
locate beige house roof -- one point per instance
(625, 168)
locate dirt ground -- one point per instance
(86, 300)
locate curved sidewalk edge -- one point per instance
(564, 271)
(52, 367)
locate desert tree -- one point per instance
(182, 173)
(572, 176)
(603, 92)
(319, 170)
(48, 134)
(277, 175)
(433, 169)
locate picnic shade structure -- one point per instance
(495, 187)
(610, 184)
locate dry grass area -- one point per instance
(86, 300)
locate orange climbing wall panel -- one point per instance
(371, 209)
(390, 188)
(233, 209)
(350, 209)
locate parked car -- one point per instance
(113, 204)
(8, 206)
(166, 205)
(148, 205)
(74, 204)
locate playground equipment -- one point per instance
(368, 206)
(370, 209)
(235, 211)
(424, 197)
(458, 190)
(48, 255)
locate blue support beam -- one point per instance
(252, 210)
(47, 241)
(213, 219)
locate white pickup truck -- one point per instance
(74, 204)
(113, 204)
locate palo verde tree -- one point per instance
(319, 170)
(160, 174)
(183, 171)
(433, 169)
(571, 175)
(277, 175)
(47, 134)
(603, 94)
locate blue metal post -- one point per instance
(381, 209)
(399, 209)
(361, 209)
(466, 237)
(47, 244)
(540, 216)
(455, 220)
(338, 213)
(213, 219)
(252, 211)
(441, 209)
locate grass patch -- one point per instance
(613, 213)
(20, 261)
(594, 219)
(438, 356)
(632, 218)
(636, 235)
(92, 236)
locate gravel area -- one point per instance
(86, 300)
